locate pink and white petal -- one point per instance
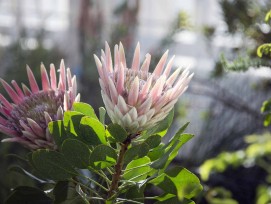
(122, 55)
(8, 131)
(127, 120)
(62, 76)
(99, 67)
(136, 59)
(123, 107)
(77, 98)
(157, 89)
(5, 102)
(169, 106)
(66, 102)
(35, 127)
(69, 77)
(26, 90)
(120, 80)
(117, 113)
(133, 114)
(133, 92)
(44, 78)
(53, 76)
(145, 90)
(47, 117)
(116, 57)
(173, 77)
(169, 66)
(142, 120)
(60, 113)
(17, 89)
(108, 58)
(144, 107)
(32, 81)
(107, 101)
(3, 121)
(150, 113)
(13, 95)
(29, 135)
(160, 66)
(113, 91)
(146, 64)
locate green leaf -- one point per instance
(266, 106)
(136, 170)
(171, 150)
(178, 181)
(134, 192)
(92, 131)
(72, 122)
(85, 109)
(153, 141)
(157, 152)
(57, 130)
(26, 194)
(52, 165)
(162, 127)
(103, 156)
(117, 132)
(76, 152)
(61, 191)
(102, 113)
(136, 152)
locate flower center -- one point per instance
(34, 107)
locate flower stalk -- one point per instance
(118, 167)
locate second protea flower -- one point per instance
(26, 119)
(135, 98)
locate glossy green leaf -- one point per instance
(92, 131)
(157, 152)
(76, 152)
(172, 148)
(178, 181)
(26, 194)
(85, 109)
(57, 130)
(136, 152)
(137, 169)
(72, 122)
(153, 141)
(53, 165)
(117, 132)
(162, 127)
(103, 156)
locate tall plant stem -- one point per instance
(118, 167)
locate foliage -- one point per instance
(92, 155)
(257, 153)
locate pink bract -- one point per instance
(135, 98)
(26, 118)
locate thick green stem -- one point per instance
(118, 168)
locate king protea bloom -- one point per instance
(26, 118)
(135, 98)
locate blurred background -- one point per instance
(222, 103)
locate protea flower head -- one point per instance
(135, 98)
(25, 119)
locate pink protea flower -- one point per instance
(135, 98)
(26, 119)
